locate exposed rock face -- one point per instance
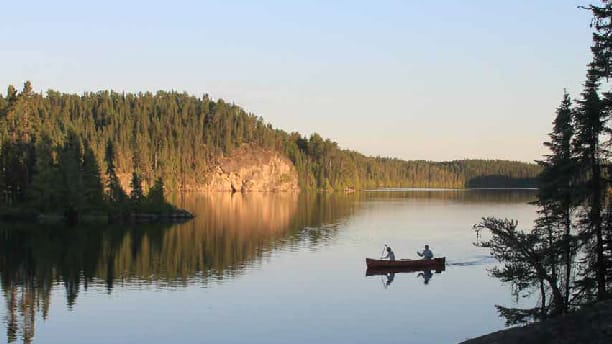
(248, 169)
(253, 169)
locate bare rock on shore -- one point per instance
(253, 169)
(591, 325)
(248, 169)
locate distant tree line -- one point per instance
(567, 256)
(179, 138)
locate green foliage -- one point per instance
(557, 200)
(156, 197)
(568, 254)
(594, 168)
(52, 147)
(525, 266)
(116, 195)
(591, 118)
(155, 201)
(93, 192)
(136, 195)
(44, 193)
(70, 170)
(180, 138)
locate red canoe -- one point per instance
(415, 264)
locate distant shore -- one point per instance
(393, 189)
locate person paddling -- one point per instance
(390, 255)
(426, 254)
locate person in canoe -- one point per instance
(426, 254)
(390, 255)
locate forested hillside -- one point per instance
(179, 138)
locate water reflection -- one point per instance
(229, 234)
(489, 196)
(390, 277)
(388, 274)
(426, 274)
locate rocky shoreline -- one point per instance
(592, 324)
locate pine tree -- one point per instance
(602, 70)
(136, 195)
(116, 195)
(92, 185)
(524, 264)
(72, 197)
(18, 153)
(590, 122)
(602, 38)
(156, 197)
(555, 195)
(45, 193)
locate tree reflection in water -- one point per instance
(230, 232)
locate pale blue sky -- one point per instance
(435, 80)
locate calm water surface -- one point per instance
(260, 268)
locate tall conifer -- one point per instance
(590, 124)
(116, 194)
(555, 193)
(602, 68)
(92, 185)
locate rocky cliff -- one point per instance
(253, 169)
(247, 169)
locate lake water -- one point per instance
(261, 268)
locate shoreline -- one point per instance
(591, 324)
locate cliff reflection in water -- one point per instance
(229, 233)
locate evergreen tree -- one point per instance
(602, 71)
(70, 169)
(156, 197)
(116, 194)
(555, 195)
(136, 195)
(524, 264)
(18, 154)
(93, 192)
(45, 193)
(590, 122)
(602, 38)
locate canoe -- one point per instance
(411, 264)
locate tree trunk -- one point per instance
(568, 257)
(543, 296)
(596, 223)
